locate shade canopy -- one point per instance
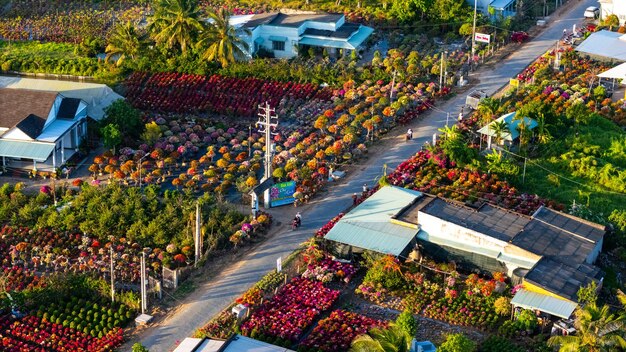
(370, 226)
(25, 149)
(512, 124)
(547, 304)
(605, 43)
(618, 72)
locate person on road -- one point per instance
(354, 199)
(409, 134)
(365, 188)
(298, 219)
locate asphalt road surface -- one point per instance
(213, 296)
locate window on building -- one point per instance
(278, 45)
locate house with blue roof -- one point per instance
(285, 34)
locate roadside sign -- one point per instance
(483, 38)
(514, 82)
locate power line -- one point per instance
(561, 176)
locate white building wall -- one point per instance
(440, 228)
(591, 258)
(481, 5)
(55, 109)
(617, 7)
(470, 239)
(16, 133)
(291, 34)
(328, 26)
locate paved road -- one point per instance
(213, 296)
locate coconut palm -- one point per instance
(597, 330)
(125, 42)
(488, 107)
(220, 41)
(499, 129)
(391, 339)
(176, 23)
(450, 133)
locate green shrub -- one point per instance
(496, 343)
(407, 322)
(502, 306)
(457, 343)
(137, 347)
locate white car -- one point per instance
(592, 12)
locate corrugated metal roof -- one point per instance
(26, 149)
(326, 43)
(547, 304)
(369, 225)
(512, 125)
(351, 43)
(55, 130)
(500, 4)
(239, 343)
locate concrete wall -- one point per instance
(53, 112)
(16, 133)
(292, 35)
(618, 8)
(591, 258)
(456, 233)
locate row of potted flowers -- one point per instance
(176, 92)
(33, 334)
(291, 311)
(335, 333)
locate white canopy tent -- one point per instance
(606, 44)
(617, 72)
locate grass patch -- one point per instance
(54, 58)
(590, 163)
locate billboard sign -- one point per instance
(282, 193)
(483, 38)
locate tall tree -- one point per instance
(219, 41)
(125, 42)
(176, 24)
(597, 330)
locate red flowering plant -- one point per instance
(291, 311)
(30, 333)
(327, 269)
(336, 332)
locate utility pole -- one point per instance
(144, 296)
(140, 161)
(473, 37)
(393, 84)
(441, 72)
(112, 278)
(268, 120)
(249, 138)
(198, 235)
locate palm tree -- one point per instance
(487, 108)
(391, 339)
(543, 134)
(220, 41)
(125, 42)
(450, 133)
(176, 23)
(597, 330)
(499, 128)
